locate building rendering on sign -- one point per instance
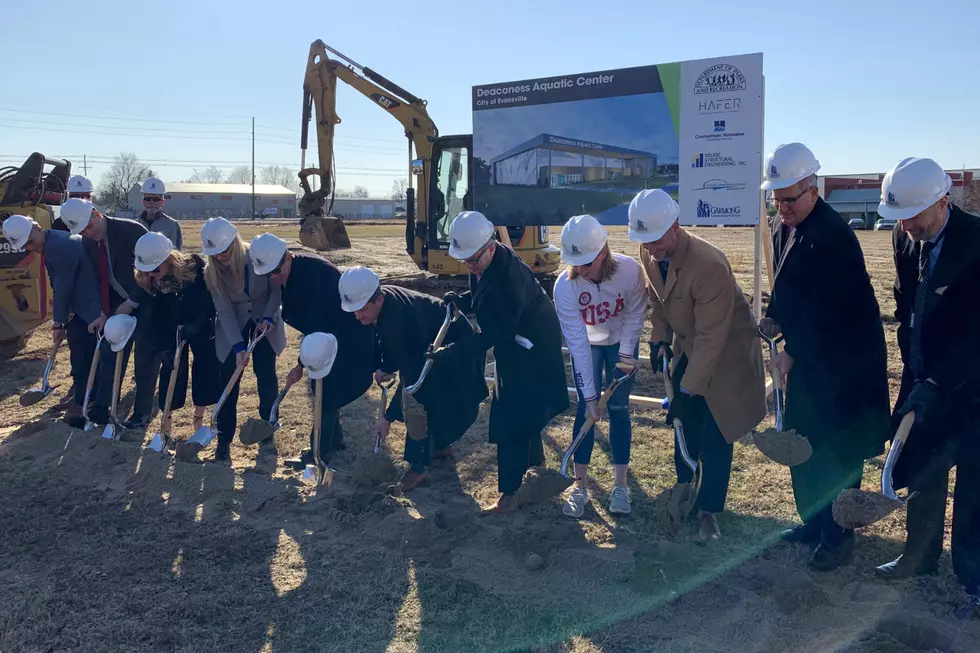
(550, 161)
(232, 201)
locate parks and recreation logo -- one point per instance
(720, 184)
(715, 160)
(719, 133)
(720, 78)
(708, 210)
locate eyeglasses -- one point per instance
(152, 199)
(789, 201)
(473, 260)
(81, 196)
(278, 268)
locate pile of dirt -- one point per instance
(374, 470)
(859, 508)
(673, 506)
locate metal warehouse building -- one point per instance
(201, 201)
(367, 207)
(550, 161)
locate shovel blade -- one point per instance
(157, 443)
(202, 436)
(32, 397)
(855, 508)
(784, 447)
(255, 430)
(109, 432)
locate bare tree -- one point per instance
(398, 188)
(360, 191)
(126, 171)
(240, 175)
(212, 175)
(280, 175)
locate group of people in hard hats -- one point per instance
(231, 306)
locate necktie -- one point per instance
(921, 292)
(663, 265)
(104, 278)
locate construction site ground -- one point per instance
(109, 547)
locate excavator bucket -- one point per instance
(324, 233)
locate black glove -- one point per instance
(927, 400)
(463, 301)
(684, 407)
(450, 297)
(657, 356)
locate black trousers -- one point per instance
(706, 443)
(81, 349)
(146, 371)
(514, 457)
(204, 369)
(264, 367)
(818, 481)
(927, 513)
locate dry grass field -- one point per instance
(109, 547)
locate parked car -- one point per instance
(885, 224)
(857, 223)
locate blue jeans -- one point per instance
(604, 359)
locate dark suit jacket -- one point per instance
(122, 235)
(72, 278)
(837, 390)
(407, 325)
(310, 303)
(531, 387)
(950, 334)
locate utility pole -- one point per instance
(85, 164)
(253, 167)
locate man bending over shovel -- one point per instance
(310, 304)
(448, 401)
(834, 365)
(719, 379)
(937, 298)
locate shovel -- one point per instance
(92, 369)
(680, 500)
(255, 429)
(113, 430)
(855, 508)
(161, 439)
(381, 411)
(784, 447)
(31, 397)
(440, 336)
(566, 459)
(202, 437)
(318, 473)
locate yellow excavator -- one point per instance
(442, 165)
(26, 299)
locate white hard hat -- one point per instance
(317, 352)
(151, 250)
(216, 235)
(266, 250)
(118, 330)
(357, 286)
(469, 231)
(582, 238)
(911, 187)
(76, 213)
(79, 184)
(787, 165)
(17, 229)
(651, 214)
(153, 186)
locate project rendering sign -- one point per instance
(547, 149)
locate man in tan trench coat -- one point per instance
(719, 376)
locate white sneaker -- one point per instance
(619, 501)
(575, 503)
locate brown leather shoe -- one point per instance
(411, 480)
(66, 402)
(74, 413)
(709, 530)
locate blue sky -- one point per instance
(638, 122)
(864, 86)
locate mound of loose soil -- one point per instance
(859, 508)
(374, 470)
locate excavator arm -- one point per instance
(319, 230)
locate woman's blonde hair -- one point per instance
(607, 268)
(220, 278)
(184, 270)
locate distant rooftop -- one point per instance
(229, 189)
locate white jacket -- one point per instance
(601, 314)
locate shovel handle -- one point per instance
(588, 424)
(317, 427)
(116, 382)
(170, 390)
(678, 426)
(440, 336)
(274, 411)
(92, 369)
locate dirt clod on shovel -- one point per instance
(255, 430)
(374, 470)
(673, 506)
(784, 447)
(542, 485)
(856, 508)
